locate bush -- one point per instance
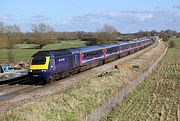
(171, 44)
(11, 57)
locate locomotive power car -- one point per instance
(53, 65)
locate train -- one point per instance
(51, 65)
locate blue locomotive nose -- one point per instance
(40, 67)
(40, 63)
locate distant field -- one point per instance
(22, 54)
(65, 44)
(158, 97)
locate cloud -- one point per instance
(125, 21)
(89, 21)
(157, 7)
(177, 6)
(40, 19)
(7, 17)
(141, 16)
(178, 15)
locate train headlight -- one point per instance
(43, 70)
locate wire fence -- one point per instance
(123, 92)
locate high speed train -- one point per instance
(52, 65)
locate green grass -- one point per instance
(25, 46)
(20, 54)
(158, 97)
(177, 41)
(25, 54)
(72, 104)
(65, 44)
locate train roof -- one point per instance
(90, 48)
(145, 39)
(138, 40)
(123, 43)
(109, 45)
(41, 53)
(132, 41)
(58, 52)
(73, 50)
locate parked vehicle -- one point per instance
(7, 72)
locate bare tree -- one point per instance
(108, 29)
(42, 34)
(105, 34)
(13, 34)
(10, 34)
(2, 27)
(2, 35)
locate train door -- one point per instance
(75, 59)
(53, 66)
(70, 61)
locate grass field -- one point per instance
(25, 54)
(156, 99)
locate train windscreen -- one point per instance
(38, 60)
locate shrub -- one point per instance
(171, 44)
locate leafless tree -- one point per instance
(2, 27)
(106, 34)
(42, 34)
(2, 35)
(108, 29)
(13, 34)
(10, 34)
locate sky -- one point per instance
(126, 16)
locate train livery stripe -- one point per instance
(80, 58)
(104, 51)
(93, 59)
(42, 66)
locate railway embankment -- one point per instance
(146, 65)
(87, 99)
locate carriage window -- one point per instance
(92, 54)
(134, 44)
(124, 47)
(109, 50)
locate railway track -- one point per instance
(10, 95)
(17, 86)
(18, 80)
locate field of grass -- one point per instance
(20, 54)
(156, 99)
(65, 44)
(72, 104)
(25, 54)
